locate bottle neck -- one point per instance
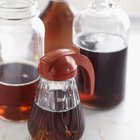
(105, 3)
(17, 9)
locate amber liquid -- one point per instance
(110, 71)
(46, 125)
(57, 18)
(18, 83)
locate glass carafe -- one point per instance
(21, 46)
(57, 112)
(101, 33)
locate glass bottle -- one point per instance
(21, 46)
(56, 112)
(58, 19)
(101, 33)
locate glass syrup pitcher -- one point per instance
(56, 112)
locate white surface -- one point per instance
(120, 123)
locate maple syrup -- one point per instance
(18, 82)
(58, 18)
(56, 125)
(108, 57)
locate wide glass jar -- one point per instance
(21, 46)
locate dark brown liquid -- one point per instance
(18, 83)
(57, 18)
(45, 125)
(110, 72)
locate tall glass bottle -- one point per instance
(101, 33)
(58, 19)
(21, 46)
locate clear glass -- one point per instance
(58, 18)
(56, 112)
(101, 33)
(21, 46)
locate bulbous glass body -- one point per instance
(101, 33)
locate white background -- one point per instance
(132, 7)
